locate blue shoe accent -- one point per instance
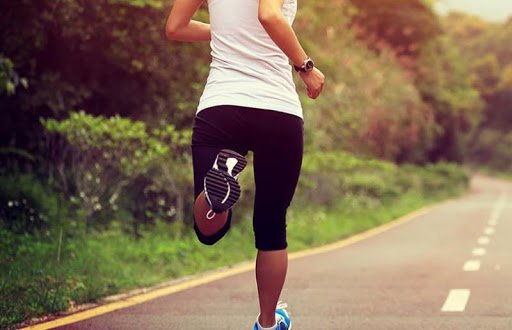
(284, 322)
(283, 319)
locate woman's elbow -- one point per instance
(171, 31)
(173, 28)
(267, 18)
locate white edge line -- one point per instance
(456, 301)
(471, 266)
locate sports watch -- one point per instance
(307, 66)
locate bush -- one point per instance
(102, 162)
(493, 149)
(328, 178)
(443, 178)
(28, 206)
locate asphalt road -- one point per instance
(448, 269)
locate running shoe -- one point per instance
(221, 187)
(282, 318)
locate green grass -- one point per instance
(109, 262)
(309, 228)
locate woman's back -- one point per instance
(248, 68)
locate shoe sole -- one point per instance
(220, 186)
(230, 162)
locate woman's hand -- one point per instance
(314, 81)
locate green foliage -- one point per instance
(123, 142)
(26, 286)
(486, 75)
(443, 178)
(328, 178)
(107, 57)
(27, 206)
(402, 25)
(97, 161)
(369, 105)
(444, 83)
(9, 79)
(486, 47)
(491, 37)
(122, 65)
(123, 55)
(400, 93)
(493, 149)
(441, 125)
(505, 84)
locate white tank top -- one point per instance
(248, 69)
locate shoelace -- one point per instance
(281, 305)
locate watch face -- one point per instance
(309, 65)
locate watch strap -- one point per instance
(304, 67)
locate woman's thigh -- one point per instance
(277, 163)
(214, 129)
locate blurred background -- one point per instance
(97, 109)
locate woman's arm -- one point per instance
(180, 25)
(277, 27)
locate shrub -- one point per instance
(327, 178)
(98, 161)
(443, 178)
(27, 205)
(493, 149)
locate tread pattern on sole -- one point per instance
(222, 161)
(222, 189)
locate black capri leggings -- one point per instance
(276, 139)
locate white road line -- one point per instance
(471, 266)
(494, 215)
(484, 240)
(456, 300)
(498, 208)
(478, 252)
(489, 231)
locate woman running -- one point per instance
(249, 104)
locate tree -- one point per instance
(485, 75)
(414, 35)
(401, 25)
(106, 57)
(443, 81)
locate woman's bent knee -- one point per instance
(212, 239)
